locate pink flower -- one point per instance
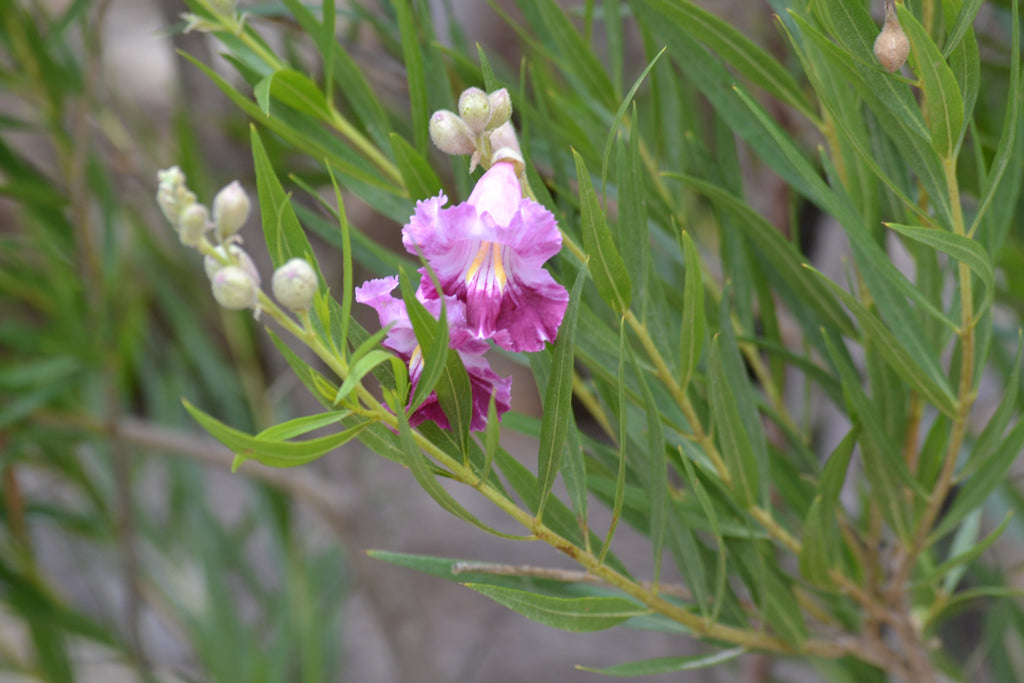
(487, 252)
(402, 340)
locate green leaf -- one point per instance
(883, 464)
(273, 452)
(1008, 139)
(964, 551)
(962, 24)
(293, 89)
(894, 105)
(569, 614)
(412, 56)
(734, 440)
(655, 474)
(819, 545)
(455, 395)
(965, 63)
(607, 267)
(623, 412)
(960, 248)
(749, 59)
(358, 370)
(779, 253)
(557, 413)
(302, 425)
(432, 337)
(421, 469)
(899, 359)
(943, 97)
(691, 338)
(285, 237)
(989, 474)
(419, 177)
(664, 665)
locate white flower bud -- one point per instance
(475, 109)
(501, 108)
(450, 134)
(505, 144)
(172, 195)
(237, 256)
(193, 222)
(294, 285)
(230, 210)
(234, 289)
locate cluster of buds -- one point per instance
(234, 279)
(482, 128)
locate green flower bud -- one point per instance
(501, 108)
(234, 289)
(475, 109)
(450, 134)
(230, 210)
(294, 285)
(193, 222)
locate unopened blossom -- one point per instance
(488, 252)
(231, 209)
(402, 340)
(294, 285)
(234, 289)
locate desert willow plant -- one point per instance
(609, 243)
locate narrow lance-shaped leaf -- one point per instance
(895, 354)
(736, 449)
(883, 465)
(606, 265)
(623, 410)
(568, 614)
(945, 103)
(819, 544)
(420, 466)
(655, 470)
(961, 248)
(432, 335)
(558, 398)
(749, 59)
(664, 665)
(692, 334)
(285, 237)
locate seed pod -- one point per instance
(294, 285)
(234, 289)
(891, 45)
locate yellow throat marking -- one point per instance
(478, 262)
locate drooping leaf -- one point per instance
(606, 265)
(558, 398)
(569, 614)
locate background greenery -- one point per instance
(798, 149)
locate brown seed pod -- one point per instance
(891, 45)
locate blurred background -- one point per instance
(128, 551)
